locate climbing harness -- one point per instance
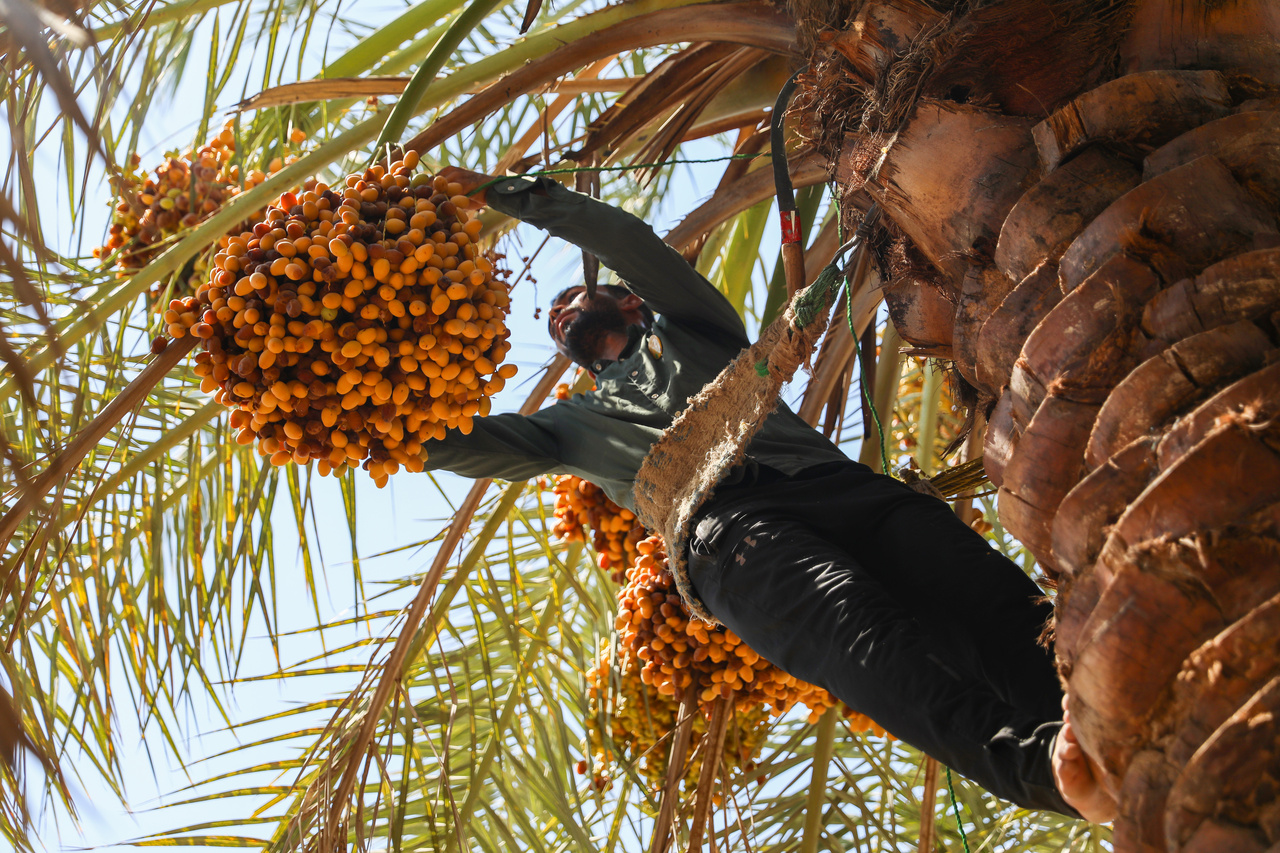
(711, 435)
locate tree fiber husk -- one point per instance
(872, 61)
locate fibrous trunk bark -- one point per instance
(1103, 265)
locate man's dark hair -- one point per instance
(618, 291)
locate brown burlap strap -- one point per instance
(711, 436)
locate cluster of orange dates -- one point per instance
(615, 530)
(663, 652)
(582, 505)
(639, 721)
(353, 323)
(151, 209)
(680, 652)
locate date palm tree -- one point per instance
(138, 543)
(1082, 201)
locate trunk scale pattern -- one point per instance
(1094, 241)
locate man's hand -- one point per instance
(470, 181)
(1078, 777)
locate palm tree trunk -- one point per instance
(1102, 262)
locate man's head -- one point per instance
(587, 330)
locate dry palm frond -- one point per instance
(13, 734)
(660, 91)
(951, 483)
(745, 23)
(563, 100)
(750, 141)
(660, 144)
(806, 170)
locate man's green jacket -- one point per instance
(603, 436)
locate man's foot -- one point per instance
(1077, 777)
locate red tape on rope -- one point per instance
(790, 221)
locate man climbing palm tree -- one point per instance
(843, 577)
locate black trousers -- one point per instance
(852, 581)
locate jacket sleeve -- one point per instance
(652, 270)
(507, 446)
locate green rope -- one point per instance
(955, 806)
(628, 167)
(810, 304)
(857, 350)
(862, 372)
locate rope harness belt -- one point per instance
(711, 435)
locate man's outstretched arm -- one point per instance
(506, 446)
(626, 244)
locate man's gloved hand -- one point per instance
(470, 181)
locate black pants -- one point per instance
(852, 581)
